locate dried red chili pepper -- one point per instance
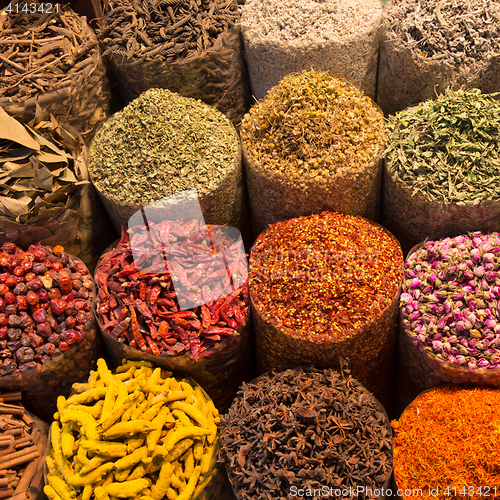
(151, 294)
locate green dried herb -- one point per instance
(448, 148)
(160, 144)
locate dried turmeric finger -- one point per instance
(180, 448)
(192, 412)
(88, 396)
(104, 372)
(159, 421)
(85, 420)
(67, 440)
(51, 493)
(183, 433)
(100, 493)
(87, 492)
(159, 489)
(109, 401)
(127, 488)
(189, 463)
(138, 472)
(91, 465)
(92, 477)
(132, 459)
(188, 491)
(128, 429)
(64, 490)
(59, 459)
(79, 388)
(104, 448)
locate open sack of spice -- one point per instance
(137, 432)
(428, 46)
(313, 143)
(301, 431)
(23, 439)
(45, 192)
(446, 444)
(324, 286)
(441, 168)
(193, 48)
(450, 317)
(176, 293)
(51, 57)
(48, 333)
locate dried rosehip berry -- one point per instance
(36, 340)
(54, 339)
(14, 320)
(83, 293)
(40, 254)
(71, 336)
(39, 268)
(9, 366)
(81, 317)
(43, 295)
(49, 348)
(40, 315)
(58, 249)
(20, 288)
(51, 320)
(9, 298)
(57, 266)
(4, 319)
(55, 294)
(9, 248)
(25, 340)
(25, 320)
(14, 345)
(32, 298)
(81, 268)
(71, 310)
(18, 271)
(70, 322)
(14, 333)
(63, 346)
(64, 281)
(87, 284)
(3, 333)
(68, 297)
(25, 354)
(10, 309)
(58, 306)
(3, 289)
(11, 281)
(35, 284)
(21, 302)
(2, 304)
(29, 276)
(27, 265)
(44, 329)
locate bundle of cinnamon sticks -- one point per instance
(22, 445)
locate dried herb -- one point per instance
(325, 285)
(446, 444)
(161, 144)
(305, 429)
(52, 59)
(145, 295)
(448, 148)
(447, 31)
(166, 29)
(313, 143)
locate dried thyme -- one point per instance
(305, 429)
(447, 31)
(312, 125)
(160, 144)
(448, 149)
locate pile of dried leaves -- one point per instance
(45, 192)
(305, 429)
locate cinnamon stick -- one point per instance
(16, 455)
(9, 396)
(20, 460)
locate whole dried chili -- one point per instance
(148, 283)
(446, 444)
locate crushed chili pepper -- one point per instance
(148, 282)
(446, 442)
(326, 285)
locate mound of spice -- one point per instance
(50, 58)
(441, 167)
(285, 37)
(446, 444)
(431, 45)
(306, 430)
(23, 439)
(313, 143)
(323, 286)
(162, 144)
(45, 298)
(137, 432)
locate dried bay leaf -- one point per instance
(43, 179)
(13, 207)
(52, 158)
(12, 130)
(67, 176)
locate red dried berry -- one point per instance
(81, 317)
(44, 329)
(3, 277)
(87, 284)
(29, 276)
(4, 319)
(9, 298)
(71, 336)
(58, 306)
(35, 284)
(57, 266)
(49, 348)
(68, 298)
(11, 281)
(9, 248)
(3, 332)
(81, 304)
(27, 265)
(2, 304)
(55, 294)
(3, 289)
(21, 302)
(19, 271)
(43, 295)
(32, 298)
(40, 315)
(10, 309)
(70, 322)
(39, 254)
(63, 346)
